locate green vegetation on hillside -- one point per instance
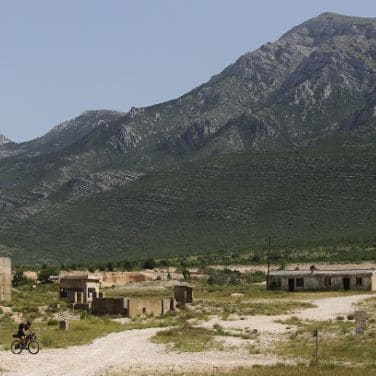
(313, 199)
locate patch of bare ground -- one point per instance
(131, 351)
(245, 341)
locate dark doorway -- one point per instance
(291, 284)
(346, 283)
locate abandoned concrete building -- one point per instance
(132, 307)
(5, 279)
(183, 295)
(321, 280)
(79, 290)
(82, 291)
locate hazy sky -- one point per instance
(60, 58)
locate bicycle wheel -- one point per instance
(33, 347)
(16, 347)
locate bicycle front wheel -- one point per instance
(33, 347)
(16, 346)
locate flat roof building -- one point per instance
(79, 289)
(321, 280)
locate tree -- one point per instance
(18, 278)
(149, 264)
(225, 277)
(186, 273)
(126, 265)
(45, 273)
(164, 263)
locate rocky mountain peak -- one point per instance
(319, 29)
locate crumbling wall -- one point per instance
(154, 307)
(111, 306)
(183, 295)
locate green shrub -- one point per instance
(188, 338)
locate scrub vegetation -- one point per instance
(337, 340)
(222, 206)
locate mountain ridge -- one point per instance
(312, 88)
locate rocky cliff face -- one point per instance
(64, 134)
(308, 85)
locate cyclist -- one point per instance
(23, 328)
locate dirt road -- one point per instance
(132, 350)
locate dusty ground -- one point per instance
(133, 352)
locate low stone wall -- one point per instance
(132, 307)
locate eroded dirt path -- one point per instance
(133, 352)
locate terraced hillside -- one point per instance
(302, 198)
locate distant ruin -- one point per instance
(82, 291)
(79, 290)
(132, 307)
(183, 295)
(323, 280)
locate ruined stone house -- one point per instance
(321, 280)
(183, 295)
(79, 289)
(132, 307)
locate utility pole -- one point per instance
(316, 334)
(268, 270)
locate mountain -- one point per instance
(64, 134)
(312, 91)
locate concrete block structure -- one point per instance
(110, 306)
(79, 290)
(132, 307)
(83, 292)
(5, 279)
(183, 295)
(323, 280)
(152, 307)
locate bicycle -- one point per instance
(31, 344)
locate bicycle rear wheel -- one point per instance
(33, 347)
(16, 346)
